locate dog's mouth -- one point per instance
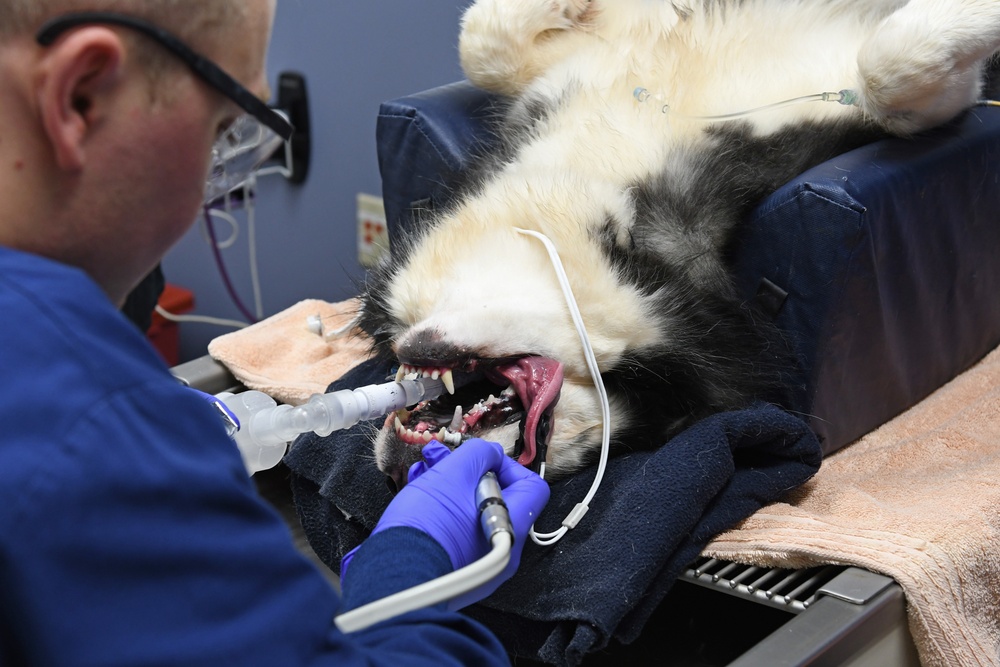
(524, 390)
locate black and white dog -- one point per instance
(613, 148)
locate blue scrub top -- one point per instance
(130, 533)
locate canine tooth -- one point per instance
(456, 421)
(399, 424)
(449, 381)
(400, 374)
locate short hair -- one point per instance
(185, 18)
(189, 20)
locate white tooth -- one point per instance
(442, 435)
(427, 437)
(449, 381)
(399, 424)
(400, 373)
(456, 421)
(491, 400)
(436, 374)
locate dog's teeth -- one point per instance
(400, 374)
(427, 437)
(456, 421)
(436, 374)
(449, 381)
(442, 435)
(399, 424)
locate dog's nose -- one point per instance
(428, 346)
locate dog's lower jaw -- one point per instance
(394, 456)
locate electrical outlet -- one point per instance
(373, 233)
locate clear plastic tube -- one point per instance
(846, 97)
(266, 428)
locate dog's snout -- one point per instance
(428, 346)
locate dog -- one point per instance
(620, 141)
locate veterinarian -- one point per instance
(129, 532)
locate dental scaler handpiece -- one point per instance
(264, 428)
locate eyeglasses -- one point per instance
(246, 144)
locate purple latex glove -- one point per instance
(524, 493)
(440, 499)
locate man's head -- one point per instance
(105, 135)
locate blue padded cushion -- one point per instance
(880, 266)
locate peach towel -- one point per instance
(282, 358)
(918, 499)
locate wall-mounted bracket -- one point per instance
(293, 101)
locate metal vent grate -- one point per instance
(792, 590)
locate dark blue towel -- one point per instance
(652, 516)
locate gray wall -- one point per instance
(354, 54)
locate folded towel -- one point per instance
(281, 357)
(651, 517)
(918, 500)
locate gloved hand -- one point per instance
(440, 499)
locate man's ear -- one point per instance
(82, 71)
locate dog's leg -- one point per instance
(505, 44)
(924, 64)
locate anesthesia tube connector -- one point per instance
(262, 429)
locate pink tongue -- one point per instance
(537, 381)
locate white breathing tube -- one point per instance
(581, 508)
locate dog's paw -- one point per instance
(909, 94)
(541, 16)
(573, 12)
(504, 44)
(919, 70)
(528, 18)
